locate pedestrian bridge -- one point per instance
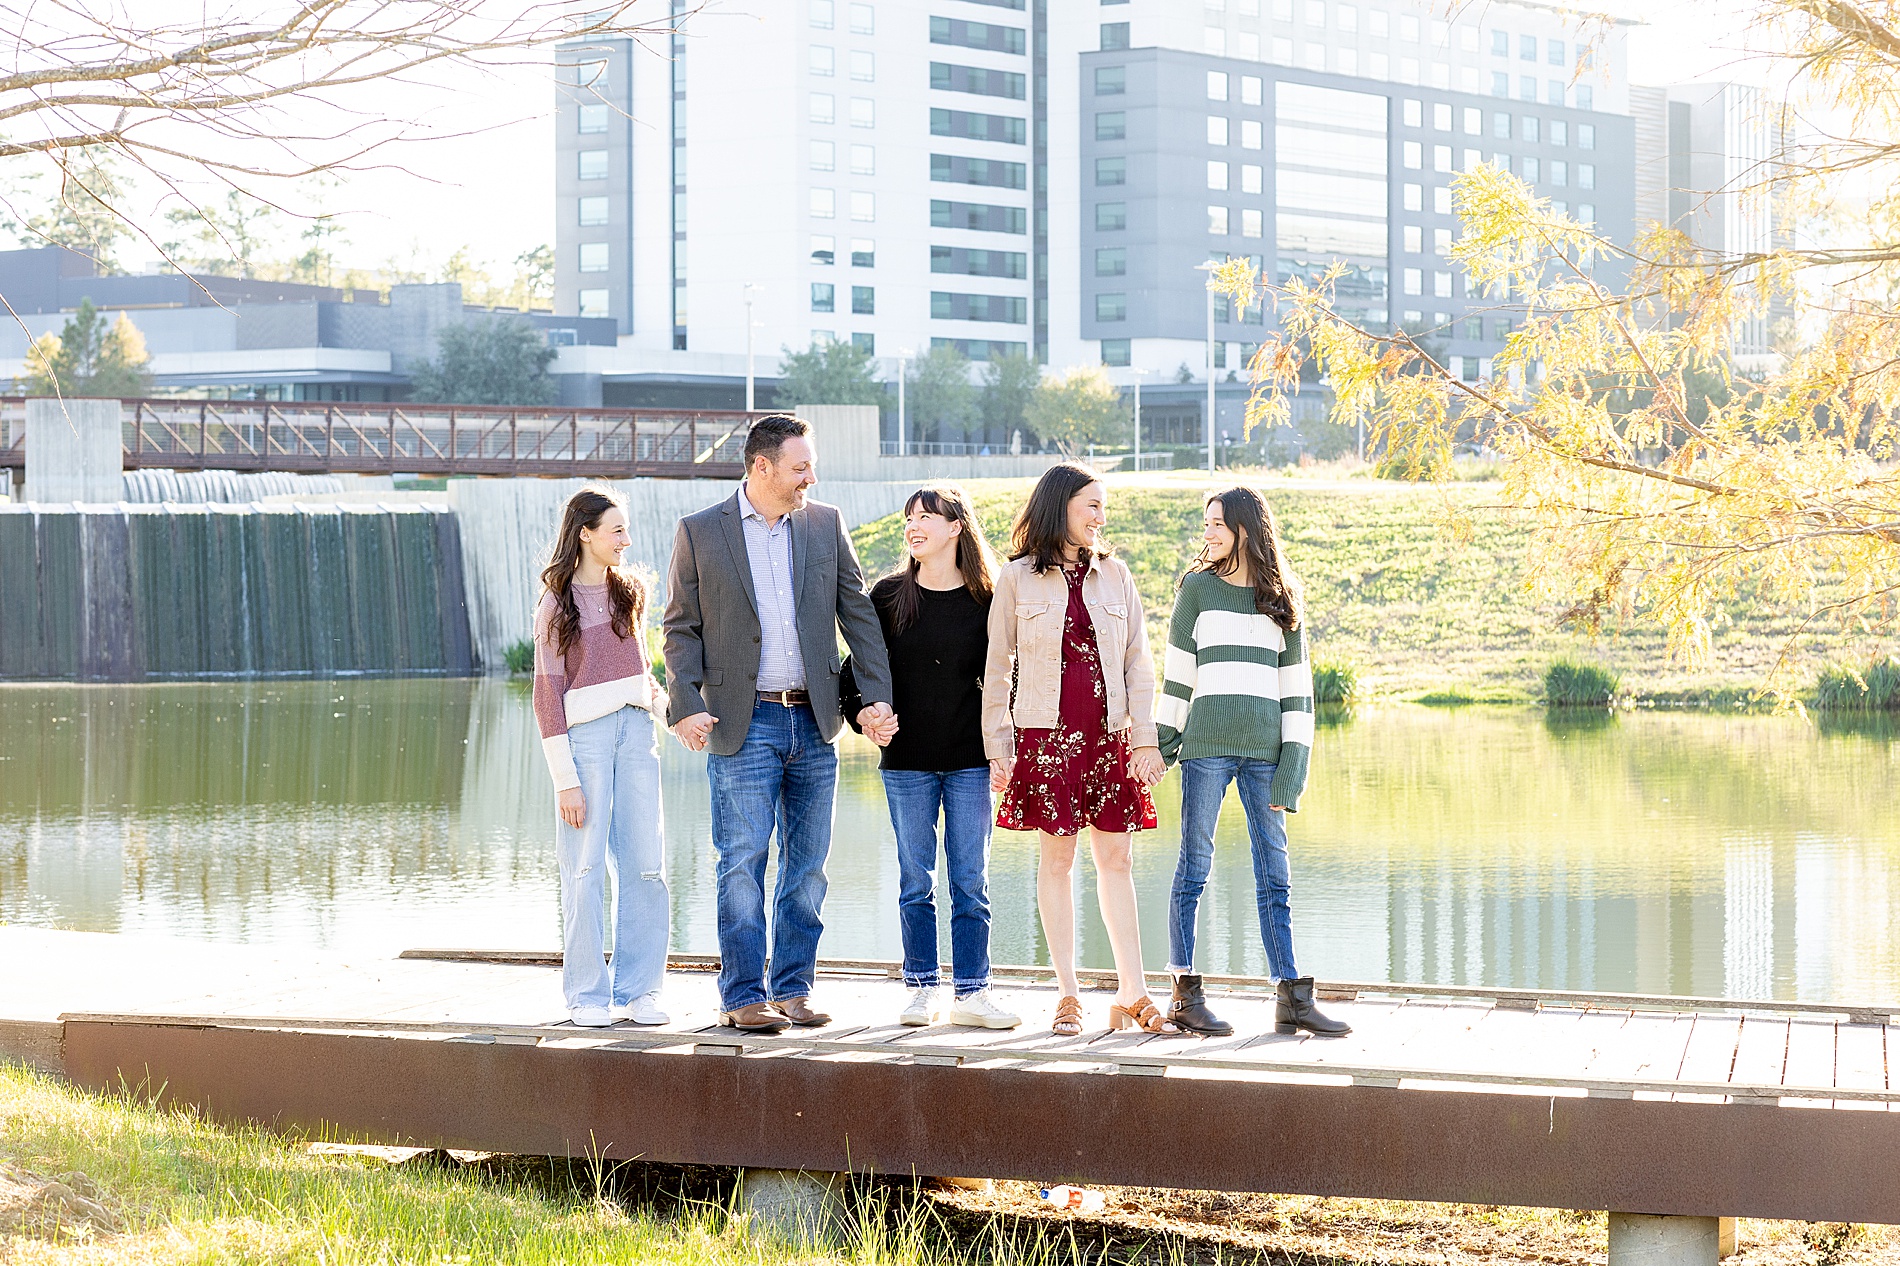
(421, 439)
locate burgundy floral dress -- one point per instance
(1076, 775)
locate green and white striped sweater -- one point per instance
(1236, 684)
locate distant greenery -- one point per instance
(1571, 684)
(88, 357)
(833, 372)
(1077, 408)
(1875, 688)
(1008, 383)
(499, 361)
(1334, 683)
(940, 401)
(519, 656)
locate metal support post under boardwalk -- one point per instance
(1639, 1239)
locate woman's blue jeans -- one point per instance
(963, 795)
(618, 759)
(1203, 787)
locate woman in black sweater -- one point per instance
(935, 611)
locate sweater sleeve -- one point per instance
(999, 669)
(550, 699)
(1296, 722)
(1180, 671)
(1138, 667)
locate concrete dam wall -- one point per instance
(139, 592)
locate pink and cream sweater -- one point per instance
(601, 673)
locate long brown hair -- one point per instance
(1277, 592)
(626, 594)
(1042, 529)
(975, 560)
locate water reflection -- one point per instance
(1663, 853)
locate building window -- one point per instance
(1376, 24)
(594, 211)
(863, 112)
(864, 207)
(1250, 223)
(1414, 280)
(1110, 81)
(1527, 48)
(864, 300)
(863, 20)
(1217, 175)
(819, 108)
(823, 249)
(1114, 36)
(823, 297)
(823, 156)
(1214, 41)
(866, 343)
(819, 59)
(1586, 176)
(1413, 197)
(1441, 285)
(1216, 85)
(1315, 12)
(593, 257)
(1315, 58)
(863, 69)
(956, 169)
(1111, 261)
(1441, 243)
(1441, 116)
(593, 164)
(1112, 307)
(1586, 98)
(1111, 125)
(1474, 121)
(1527, 87)
(821, 14)
(593, 118)
(1441, 200)
(1500, 44)
(1282, 52)
(594, 303)
(1250, 134)
(1559, 175)
(1216, 129)
(1250, 90)
(1412, 155)
(1558, 132)
(1348, 17)
(1530, 170)
(1413, 112)
(863, 252)
(824, 204)
(983, 35)
(1111, 216)
(979, 217)
(1217, 221)
(864, 160)
(1005, 129)
(1500, 84)
(1501, 126)
(1527, 129)
(1441, 158)
(1116, 352)
(1554, 52)
(1408, 28)
(1413, 238)
(1111, 171)
(824, 338)
(1586, 136)
(1586, 213)
(1004, 309)
(563, 337)
(1250, 178)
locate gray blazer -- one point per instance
(712, 620)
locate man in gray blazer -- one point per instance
(757, 591)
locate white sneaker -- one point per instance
(921, 1010)
(979, 1011)
(590, 1017)
(643, 1010)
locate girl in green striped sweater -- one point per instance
(1236, 705)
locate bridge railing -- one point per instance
(424, 439)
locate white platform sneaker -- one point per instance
(643, 1010)
(979, 1011)
(921, 1010)
(590, 1017)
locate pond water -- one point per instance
(1658, 852)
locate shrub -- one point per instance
(519, 656)
(1571, 684)
(1875, 689)
(1334, 683)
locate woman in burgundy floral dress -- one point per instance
(1068, 725)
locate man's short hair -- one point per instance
(768, 435)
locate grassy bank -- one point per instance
(1416, 609)
(140, 1186)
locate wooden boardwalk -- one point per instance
(1640, 1105)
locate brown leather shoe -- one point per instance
(755, 1017)
(799, 1012)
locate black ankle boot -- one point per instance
(1296, 1011)
(1189, 1009)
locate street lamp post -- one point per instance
(749, 288)
(903, 358)
(1139, 374)
(1209, 268)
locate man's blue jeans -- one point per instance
(618, 759)
(1203, 787)
(914, 797)
(784, 776)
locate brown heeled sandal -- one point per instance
(1142, 1014)
(1068, 1022)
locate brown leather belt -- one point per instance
(785, 698)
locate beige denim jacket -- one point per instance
(1026, 618)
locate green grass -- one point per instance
(1419, 589)
(1875, 688)
(519, 656)
(1571, 684)
(1334, 683)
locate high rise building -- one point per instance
(1010, 176)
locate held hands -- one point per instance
(572, 806)
(1146, 767)
(1000, 770)
(879, 724)
(692, 731)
